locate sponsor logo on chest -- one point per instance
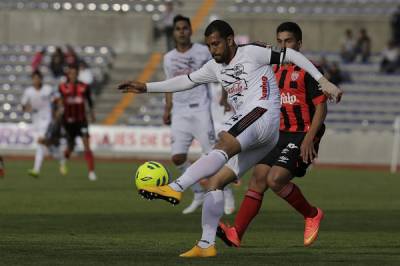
(287, 98)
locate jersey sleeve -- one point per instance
(264, 54)
(205, 74)
(314, 93)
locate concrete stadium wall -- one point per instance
(356, 147)
(319, 32)
(127, 32)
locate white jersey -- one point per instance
(40, 102)
(248, 79)
(177, 63)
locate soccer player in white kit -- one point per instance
(188, 112)
(245, 73)
(37, 99)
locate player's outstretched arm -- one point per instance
(178, 83)
(329, 89)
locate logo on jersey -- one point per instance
(295, 75)
(287, 98)
(234, 84)
(74, 100)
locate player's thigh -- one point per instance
(181, 134)
(278, 178)
(243, 161)
(203, 130)
(254, 128)
(287, 159)
(39, 129)
(82, 130)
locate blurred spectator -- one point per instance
(324, 65)
(166, 24)
(85, 73)
(363, 46)
(70, 56)
(348, 47)
(395, 23)
(37, 59)
(333, 72)
(390, 58)
(57, 63)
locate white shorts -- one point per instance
(191, 125)
(40, 128)
(257, 132)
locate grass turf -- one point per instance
(57, 220)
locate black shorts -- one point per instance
(73, 130)
(286, 153)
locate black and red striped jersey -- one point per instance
(300, 94)
(74, 96)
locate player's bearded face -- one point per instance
(218, 47)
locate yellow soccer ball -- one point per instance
(151, 174)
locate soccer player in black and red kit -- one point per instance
(73, 98)
(303, 112)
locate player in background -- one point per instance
(221, 111)
(73, 96)
(303, 112)
(2, 167)
(37, 99)
(188, 112)
(246, 75)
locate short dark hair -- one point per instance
(37, 73)
(74, 66)
(220, 26)
(181, 18)
(291, 27)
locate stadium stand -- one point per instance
(153, 7)
(15, 71)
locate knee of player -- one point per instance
(258, 182)
(273, 181)
(228, 143)
(179, 159)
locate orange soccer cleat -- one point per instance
(312, 227)
(198, 252)
(163, 192)
(228, 235)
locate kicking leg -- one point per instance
(204, 167)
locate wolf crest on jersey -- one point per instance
(236, 84)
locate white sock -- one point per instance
(228, 191)
(39, 156)
(204, 167)
(196, 188)
(213, 209)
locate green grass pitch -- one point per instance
(57, 220)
